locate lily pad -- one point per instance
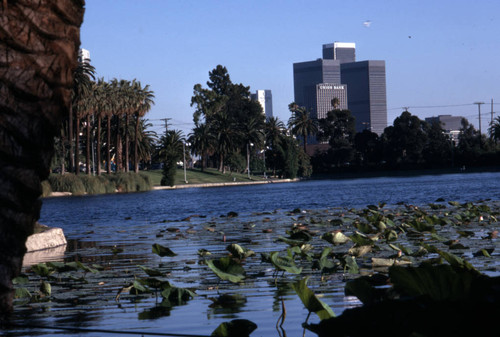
(284, 263)
(162, 251)
(239, 251)
(236, 327)
(227, 269)
(310, 301)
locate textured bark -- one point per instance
(39, 42)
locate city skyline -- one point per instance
(440, 57)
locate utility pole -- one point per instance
(166, 123)
(491, 123)
(479, 110)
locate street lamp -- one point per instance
(248, 159)
(184, 154)
(264, 154)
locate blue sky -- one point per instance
(441, 55)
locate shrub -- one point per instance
(46, 188)
(66, 183)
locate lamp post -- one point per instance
(264, 155)
(248, 159)
(184, 154)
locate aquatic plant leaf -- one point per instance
(359, 251)
(236, 327)
(86, 268)
(228, 301)
(21, 279)
(154, 283)
(483, 252)
(203, 252)
(45, 288)
(290, 242)
(361, 239)
(42, 270)
(239, 252)
(22, 293)
(155, 312)
(177, 296)
(162, 251)
(382, 262)
(285, 263)
(62, 267)
(310, 301)
(439, 283)
(151, 272)
(335, 238)
(350, 264)
(363, 289)
(227, 269)
(325, 264)
(453, 260)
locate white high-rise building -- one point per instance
(83, 56)
(265, 98)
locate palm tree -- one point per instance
(36, 78)
(225, 133)
(202, 142)
(301, 123)
(82, 88)
(144, 100)
(274, 130)
(495, 129)
(253, 134)
(146, 141)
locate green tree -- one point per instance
(368, 148)
(338, 128)
(202, 142)
(301, 123)
(439, 146)
(494, 129)
(171, 152)
(274, 131)
(405, 141)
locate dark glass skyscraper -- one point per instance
(366, 94)
(364, 82)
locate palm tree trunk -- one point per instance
(87, 153)
(305, 144)
(41, 40)
(70, 140)
(127, 141)
(77, 143)
(119, 152)
(98, 144)
(108, 154)
(136, 140)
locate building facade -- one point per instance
(344, 52)
(265, 98)
(83, 56)
(320, 96)
(367, 95)
(450, 124)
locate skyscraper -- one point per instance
(83, 55)
(366, 94)
(341, 51)
(363, 83)
(265, 98)
(307, 75)
(319, 98)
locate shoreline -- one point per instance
(225, 184)
(205, 185)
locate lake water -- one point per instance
(181, 219)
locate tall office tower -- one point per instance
(307, 75)
(83, 56)
(341, 51)
(319, 98)
(265, 98)
(367, 94)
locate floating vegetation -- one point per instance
(428, 255)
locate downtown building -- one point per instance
(359, 86)
(265, 98)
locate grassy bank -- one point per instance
(195, 176)
(131, 182)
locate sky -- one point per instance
(441, 56)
